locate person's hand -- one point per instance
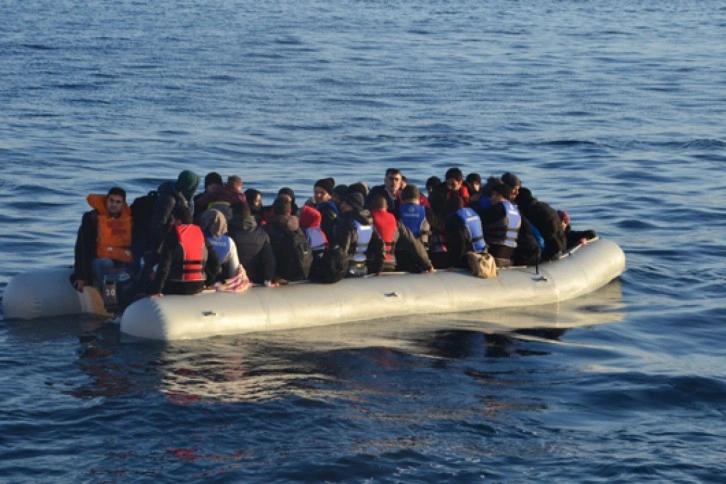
(583, 241)
(430, 270)
(79, 284)
(154, 296)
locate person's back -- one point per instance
(187, 262)
(414, 215)
(386, 226)
(171, 194)
(289, 244)
(501, 224)
(463, 232)
(354, 234)
(214, 226)
(547, 222)
(254, 249)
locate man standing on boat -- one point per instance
(104, 239)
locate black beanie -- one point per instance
(327, 184)
(355, 200)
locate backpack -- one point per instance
(296, 256)
(142, 211)
(329, 266)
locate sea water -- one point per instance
(613, 111)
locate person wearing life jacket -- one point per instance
(171, 194)
(403, 251)
(355, 236)
(214, 226)
(414, 215)
(310, 220)
(292, 251)
(187, 262)
(323, 203)
(463, 232)
(501, 224)
(103, 242)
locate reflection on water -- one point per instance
(311, 363)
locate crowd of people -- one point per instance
(174, 240)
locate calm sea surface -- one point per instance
(614, 111)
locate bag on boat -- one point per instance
(482, 265)
(328, 266)
(294, 263)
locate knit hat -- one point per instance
(327, 184)
(564, 216)
(358, 187)
(355, 200)
(511, 180)
(310, 217)
(213, 222)
(503, 189)
(187, 183)
(410, 193)
(340, 190)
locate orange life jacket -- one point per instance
(113, 239)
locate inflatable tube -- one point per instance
(49, 292)
(305, 304)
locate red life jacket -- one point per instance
(191, 240)
(385, 224)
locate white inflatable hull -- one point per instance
(299, 305)
(305, 304)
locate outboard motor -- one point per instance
(117, 291)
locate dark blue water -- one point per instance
(614, 111)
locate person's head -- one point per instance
(454, 179)
(180, 215)
(500, 192)
(378, 202)
(564, 218)
(213, 179)
(352, 201)
(432, 183)
(410, 194)
(358, 187)
(513, 182)
(213, 222)
(235, 182)
(310, 217)
(323, 190)
(474, 181)
(453, 204)
(115, 201)
(241, 210)
(288, 192)
(254, 199)
(187, 183)
(404, 182)
(393, 180)
(339, 192)
(282, 205)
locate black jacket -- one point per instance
(547, 221)
(253, 249)
(345, 236)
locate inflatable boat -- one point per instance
(304, 304)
